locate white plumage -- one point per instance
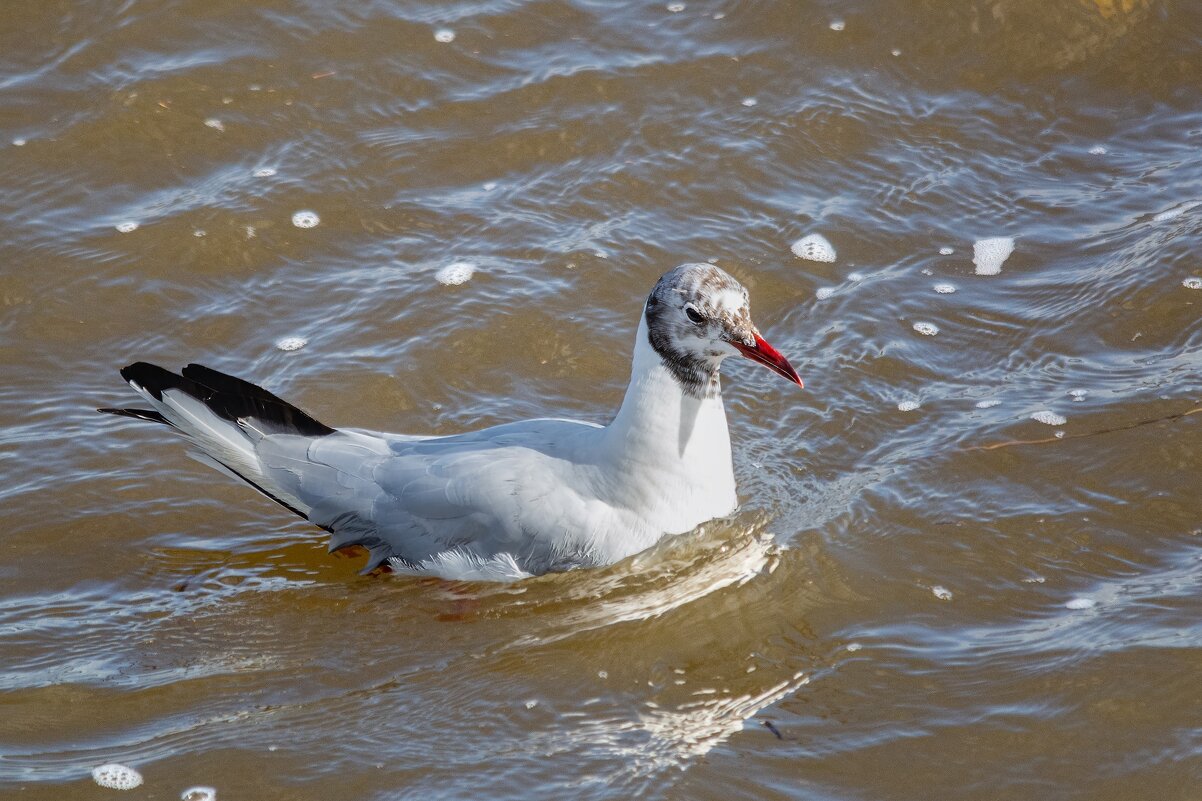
(510, 501)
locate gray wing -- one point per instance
(481, 495)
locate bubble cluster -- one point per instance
(942, 593)
(824, 292)
(926, 329)
(908, 405)
(1078, 394)
(838, 25)
(127, 226)
(291, 343)
(944, 289)
(1049, 418)
(749, 101)
(19, 142)
(1081, 603)
(459, 272)
(264, 172)
(988, 403)
(199, 794)
(305, 219)
(444, 35)
(116, 777)
(814, 247)
(215, 124)
(1097, 150)
(1192, 283)
(676, 8)
(989, 254)
(946, 251)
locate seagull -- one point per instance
(511, 501)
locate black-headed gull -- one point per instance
(514, 500)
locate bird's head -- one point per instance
(697, 315)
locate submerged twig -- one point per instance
(1008, 443)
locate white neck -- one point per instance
(669, 449)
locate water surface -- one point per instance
(927, 592)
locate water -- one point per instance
(950, 602)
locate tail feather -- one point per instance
(223, 417)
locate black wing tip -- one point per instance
(227, 395)
(137, 414)
(151, 377)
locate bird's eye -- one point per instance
(693, 314)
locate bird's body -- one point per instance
(505, 502)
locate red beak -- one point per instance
(770, 357)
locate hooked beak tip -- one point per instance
(770, 357)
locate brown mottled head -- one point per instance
(697, 315)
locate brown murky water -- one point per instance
(894, 612)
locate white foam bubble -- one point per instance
(1097, 150)
(944, 289)
(291, 343)
(116, 777)
(1078, 394)
(455, 273)
(749, 101)
(1177, 212)
(946, 251)
(989, 254)
(264, 172)
(198, 233)
(895, 52)
(305, 219)
(942, 593)
(215, 124)
(676, 8)
(1081, 603)
(127, 226)
(489, 186)
(814, 247)
(926, 329)
(19, 142)
(908, 405)
(1192, 283)
(444, 35)
(1049, 418)
(199, 794)
(719, 15)
(838, 25)
(250, 232)
(857, 277)
(824, 292)
(854, 646)
(602, 674)
(532, 703)
(988, 403)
